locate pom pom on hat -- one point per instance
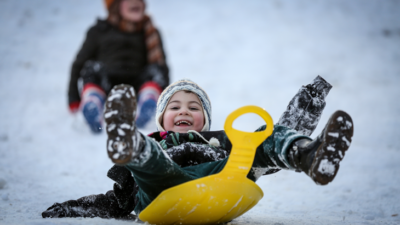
(108, 3)
(183, 85)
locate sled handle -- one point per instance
(244, 144)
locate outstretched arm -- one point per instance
(118, 203)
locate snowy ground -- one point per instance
(240, 52)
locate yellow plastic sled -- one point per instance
(220, 197)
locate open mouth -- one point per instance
(183, 122)
(135, 9)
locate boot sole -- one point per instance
(336, 141)
(119, 115)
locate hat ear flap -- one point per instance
(206, 126)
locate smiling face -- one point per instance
(184, 112)
(132, 10)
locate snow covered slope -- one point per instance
(241, 52)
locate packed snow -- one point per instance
(242, 53)
(326, 167)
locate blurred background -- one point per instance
(241, 52)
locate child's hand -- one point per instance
(175, 139)
(55, 211)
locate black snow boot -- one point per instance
(124, 141)
(320, 157)
(305, 109)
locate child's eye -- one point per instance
(174, 108)
(194, 108)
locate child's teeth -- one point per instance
(180, 122)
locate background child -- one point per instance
(179, 109)
(124, 48)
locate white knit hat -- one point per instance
(183, 85)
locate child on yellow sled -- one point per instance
(184, 149)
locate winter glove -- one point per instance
(190, 154)
(74, 107)
(156, 73)
(57, 210)
(175, 139)
(104, 206)
(71, 208)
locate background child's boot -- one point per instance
(320, 157)
(147, 103)
(124, 140)
(92, 106)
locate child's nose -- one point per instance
(184, 111)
